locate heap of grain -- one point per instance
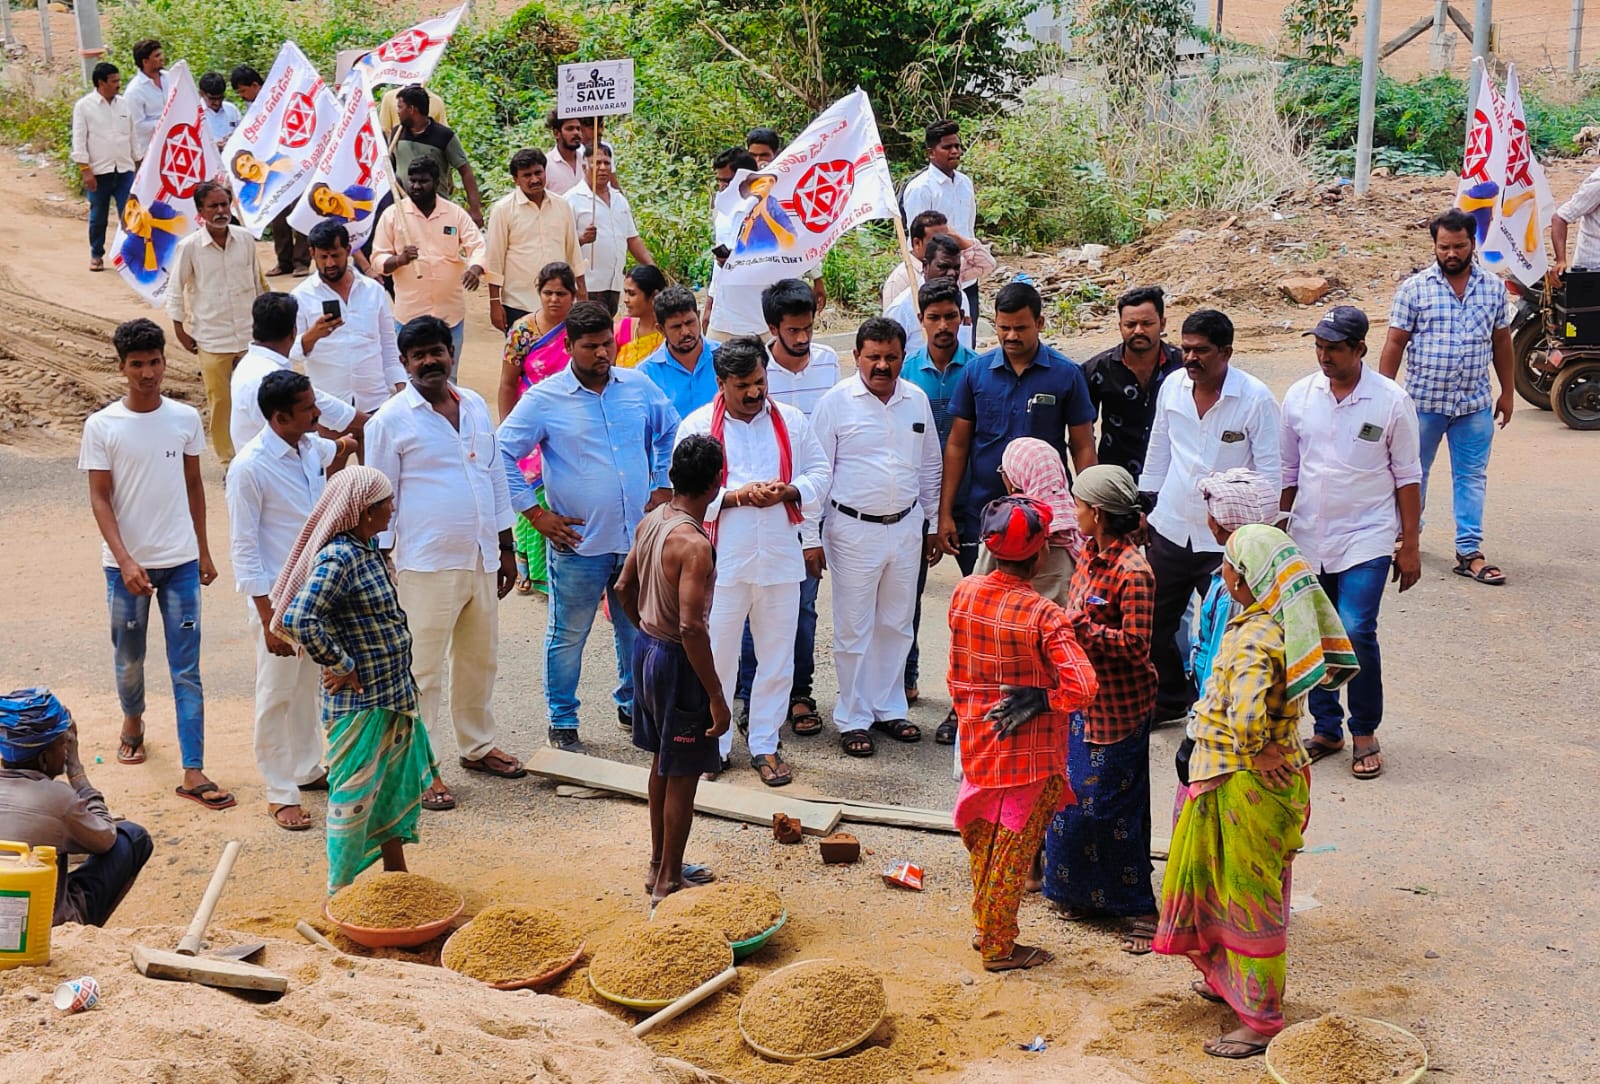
(1341, 1049)
(739, 911)
(812, 1008)
(394, 901)
(511, 944)
(658, 961)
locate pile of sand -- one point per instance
(343, 1019)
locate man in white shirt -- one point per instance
(272, 329)
(741, 308)
(800, 371)
(142, 455)
(941, 261)
(102, 148)
(1212, 417)
(943, 187)
(215, 280)
(976, 260)
(765, 524)
(346, 330)
(451, 536)
(147, 93)
(878, 434)
(222, 116)
(605, 211)
(1352, 484)
(273, 485)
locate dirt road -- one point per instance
(1455, 896)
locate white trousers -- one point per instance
(288, 737)
(774, 611)
(455, 612)
(874, 568)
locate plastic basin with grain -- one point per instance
(397, 937)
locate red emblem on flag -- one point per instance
(299, 122)
(1517, 153)
(822, 192)
(182, 161)
(405, 48)
(1480, 143)
(366, 153)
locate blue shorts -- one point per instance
(671, 711)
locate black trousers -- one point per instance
(971, 290)
(609, 298)
(97, 886)
(290, 247)
(1181, 573)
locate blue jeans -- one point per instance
(1355, 593)
(576, 586)
(107, 187)
(177, 592)
(966, 561)
(97, 886)
(1470, 436)
(805, 647)
(458, 336)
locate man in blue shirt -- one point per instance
(681, 365)
(936, 369)
(1023, 388)
(605, 439)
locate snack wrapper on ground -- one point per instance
(903, 875)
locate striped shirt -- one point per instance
(1244, 706)
(1448, 357)
(803, 390)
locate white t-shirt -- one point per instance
(145, 454)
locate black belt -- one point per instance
(865, 518)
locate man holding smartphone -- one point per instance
(345, 333)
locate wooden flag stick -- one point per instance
(905, 254)
(394, 182)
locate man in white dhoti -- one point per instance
(766, 516)
(877, 433)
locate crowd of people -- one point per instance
(1215, 560)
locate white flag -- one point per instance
(352, 174)
(1516, 240)
(160, 209)
(270, 156)
(411, 55)
(785, 217)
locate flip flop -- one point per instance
(1358, 759)
(1202, 990)
(485, 765)
(693, 875)
(290, 826)
(441, 803)
(772, 763)
(1318, 749)
(1031, 957)
(1245, 1048)
(198, 795)
(138, 755)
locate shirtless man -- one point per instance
(679, 707)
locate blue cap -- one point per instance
(1342, 323)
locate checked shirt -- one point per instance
(1448, 357)
(1115, 635)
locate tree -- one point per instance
(1320, 29)
(1136, 40)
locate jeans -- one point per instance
(1356, 593)
(966, 560)
(96, 887)
(1470, 436)
(458, 335)
(805, 647)
(576, 585)
(107, 187)
(177, 592)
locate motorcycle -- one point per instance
(1555, 347)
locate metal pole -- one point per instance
(91, 46)
(1369, 96)
(1482, 17)
(44, 31)
(5, 21)
(1575, 38)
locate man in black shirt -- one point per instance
(1123, 380)
(419, 135)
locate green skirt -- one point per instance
(530, 547)
(379, 764)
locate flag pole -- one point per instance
(905, 254)
(394, 183)
(594, 196)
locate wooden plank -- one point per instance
(1406, 36)
(1461, 21)
(207, 970)
(926, 820)
(716, 799)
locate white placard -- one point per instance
(599, 88)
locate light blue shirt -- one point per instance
(601, 453)
(687, 391)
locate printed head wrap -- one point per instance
(1016, 527)
(30, 719)
(1240, 496)
(347, 495)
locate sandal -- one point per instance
(808, 722)
(1202, 989)
(945, 733)
(438, 801)
(135, 747)
(209, 795)
(772, 769)
(1318, 748)
(524, 586)
(1488, 574)
(319, 783)
(301, 825)
(1029, 957)
(495, 763)
(900, 730)
(857, 743)
(1358, 759)
(1236, 1049)
(1137, 930)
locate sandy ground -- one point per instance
(1453, 895)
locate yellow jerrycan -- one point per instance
(27, 903)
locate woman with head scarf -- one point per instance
(1097, 853)
(1031, 468)
(1225, 897)
(336, 598)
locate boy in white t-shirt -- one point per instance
(142, 454)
